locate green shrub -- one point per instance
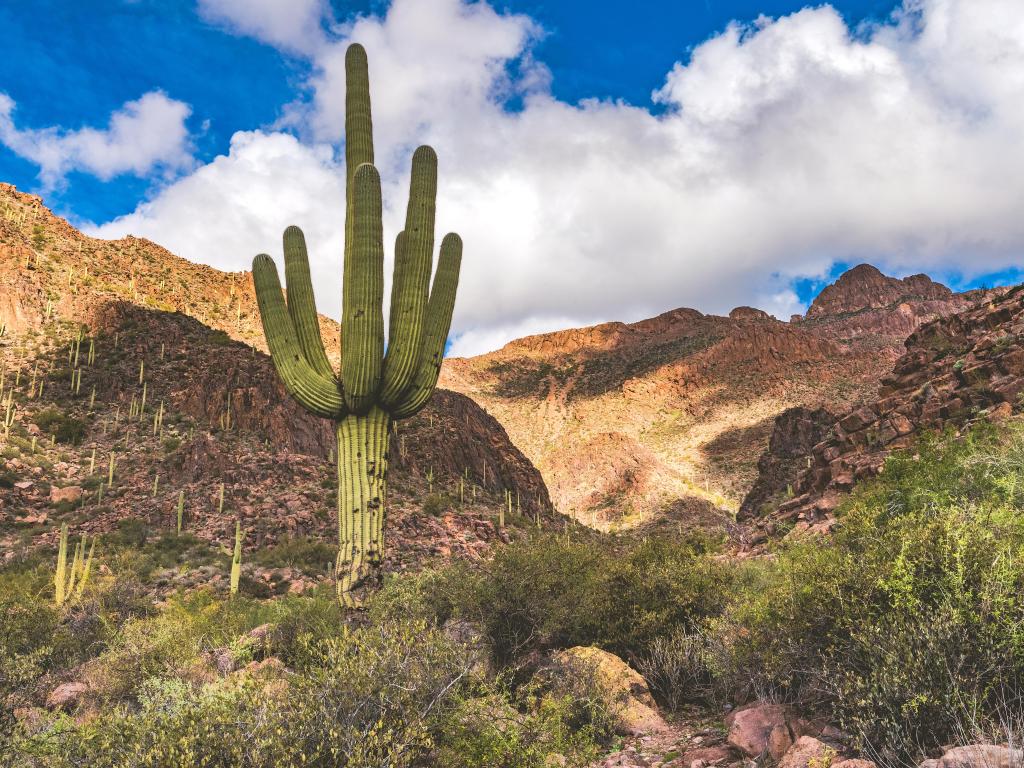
(66, 429)
(551, 593)
(910, 615)
(306, 553)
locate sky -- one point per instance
(602, 161)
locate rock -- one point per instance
(761, 729)
(70, 493)
(66, 695)
(854, 762)
(23, 485)
(32, 519)
(808, 752)
(630, 698)
(980, 756)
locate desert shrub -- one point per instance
(434, 504)
(550, 593)
(306, 553)
(66, 429)
(369, 697)
(677, 667)
(500, 726)
(912, 608)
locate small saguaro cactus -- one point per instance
(236, 559)
(376, 385)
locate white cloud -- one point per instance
(293, 25)
(781, 148)
(143, 135)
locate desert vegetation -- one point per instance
(902, 628)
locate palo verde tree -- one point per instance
(375, 387)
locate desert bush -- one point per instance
(910, 609)
(548, 593)
(677, 667)
(66, 429)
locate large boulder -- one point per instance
(629, 698)
(762, 729)
(808, 752)
(977, 756)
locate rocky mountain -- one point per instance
(954, 371)
(118, 351)
(668, 414)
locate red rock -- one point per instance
(761, 729)
(70, 493)
(66, 695)
(808, 752)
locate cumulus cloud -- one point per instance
(143, 135)
(775, 150)
(293, 25)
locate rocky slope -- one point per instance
(177, 391)
(626, 420)
(954, 371)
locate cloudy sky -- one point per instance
(600, 162)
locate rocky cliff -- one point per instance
(954, 371)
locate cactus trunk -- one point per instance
(362, 483)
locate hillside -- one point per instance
(669, 415)
(955, 371)
(119, 351)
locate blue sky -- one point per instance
(88, 59)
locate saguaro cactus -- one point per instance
(375, 386)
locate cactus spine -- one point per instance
(375, 387)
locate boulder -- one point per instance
(854, 762)
(980, 756)
(66, 695)
(808, 752)
(761, 729)
(629, 697)
(71, 493)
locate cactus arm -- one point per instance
(358, 121)
(316, 393)
(362, 312)
(435, 332)
(411, 287)
(358, 141)
(302, 303)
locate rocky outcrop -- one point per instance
(763, 729)
(955, 370)
(794, 434)
(865, 287)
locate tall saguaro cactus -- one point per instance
(375, 386)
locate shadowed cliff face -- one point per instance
(625, 420)
(215, 410)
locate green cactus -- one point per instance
(236, 559)
(69, 579)
(375, 386)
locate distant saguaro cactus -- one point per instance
(374, 386)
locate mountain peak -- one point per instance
(865, 287)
